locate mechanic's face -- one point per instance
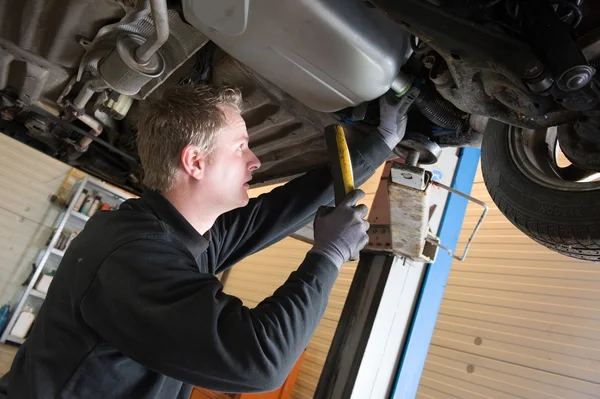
(231, 164)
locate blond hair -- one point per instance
(184, 115)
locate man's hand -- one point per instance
(392, 115)
(341, 232)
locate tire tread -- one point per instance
(576, 241)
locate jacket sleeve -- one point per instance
(273, 216)
(149, 301)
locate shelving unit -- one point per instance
(50, 257)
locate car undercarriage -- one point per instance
(73, 74)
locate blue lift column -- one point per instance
(383, 336)
(434, 283)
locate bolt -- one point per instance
(577, 81)
(478, 341)
(429, 61)
(470, 368)
(532, 71)
(575, 78)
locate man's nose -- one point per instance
(254, 162)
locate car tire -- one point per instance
(564, 221)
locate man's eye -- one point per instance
(241, 147)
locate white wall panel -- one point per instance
(27, 180)
(517, 320)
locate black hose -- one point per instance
(438, 110)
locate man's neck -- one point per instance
(193, 208)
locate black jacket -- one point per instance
(135, 310)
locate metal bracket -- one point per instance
(410, 176)
(435, 241)
(409, 212)
(408, 191)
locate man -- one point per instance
(135, 309)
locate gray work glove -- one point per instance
(341, 232)
(392, 116)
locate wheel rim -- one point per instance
(536, 154)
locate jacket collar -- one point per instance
(166, 212)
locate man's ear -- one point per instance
(193, 162)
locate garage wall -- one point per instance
(257, 277)
(27, 180)
(517, 320)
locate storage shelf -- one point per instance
(103, 187)
(37, 293)
(57, 252)
(80, 215)
(68, 221)
(14, 339)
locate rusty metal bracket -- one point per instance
(408, 193)
(408, 190)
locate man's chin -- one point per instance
(243, 201)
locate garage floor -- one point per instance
(7, 353)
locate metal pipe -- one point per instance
(48, 108)
(160, 17)
(94, 124)
(89, 88)
(402, 83)
(83, 97)
(477, 226)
